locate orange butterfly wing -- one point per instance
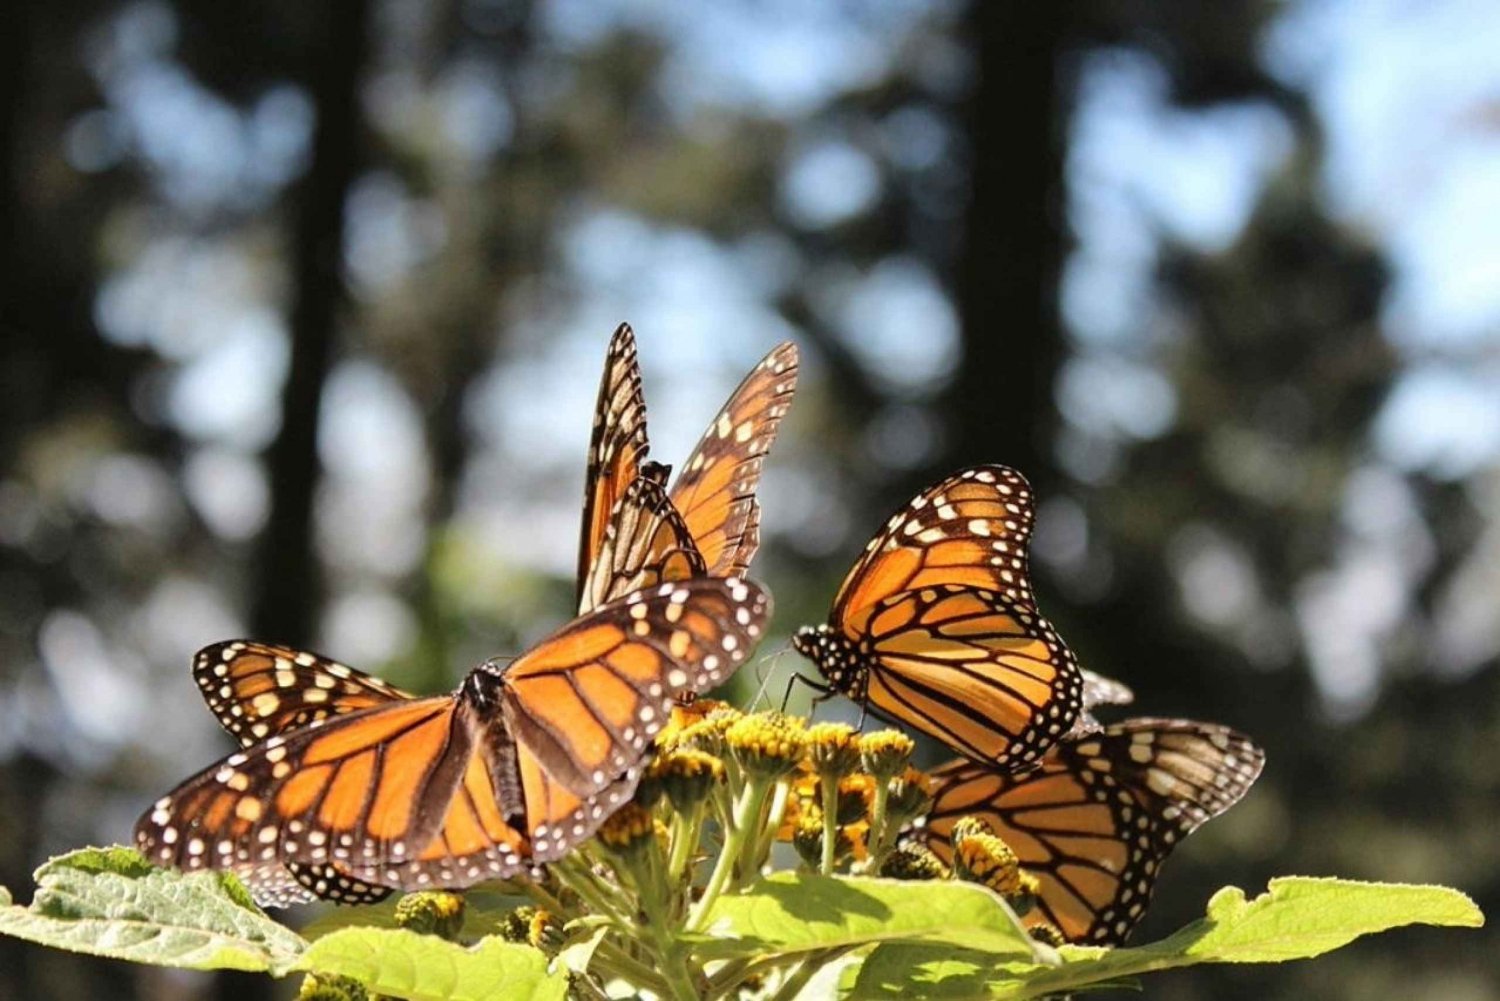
(617, 447)
(1094, 822)
(645, 543)
(513, 769)
(588, 702)
(972, 528)
(985, 675)
(715, 490)
(257, 690)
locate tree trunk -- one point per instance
(1000, 405)
(288, 588)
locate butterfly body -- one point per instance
(844, 663)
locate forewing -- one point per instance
(587, 701)
(972, 528)
(617, 447)
(258, 690)
(716, 489)
(363, 788)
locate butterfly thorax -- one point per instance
(839, 659)
(482, 698)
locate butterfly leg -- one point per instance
(824, 691)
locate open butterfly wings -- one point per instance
(1096, 819)
(512, 770)
(936, 626)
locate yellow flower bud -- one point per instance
(767, 744)
(832, 748)
(432, 912)
(885, 753)
(913, 861)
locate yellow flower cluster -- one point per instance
(767, 744)
(533, 926)
(631, 826)
(432, 912)
(913, 861)
(832, 748)
(981, 857)
(885, 753)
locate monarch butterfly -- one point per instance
(711, 523)
(512, 769)
(936, 626)
(1095, 820)
(258, 690)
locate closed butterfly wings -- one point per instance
(511, 770)
(646, 542)
(1096, 819)
(936, 626)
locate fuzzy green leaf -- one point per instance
(112, 902)
(427, 968)
(790, 913)
(1297, 918)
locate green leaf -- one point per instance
(427, 968)
(791, 913)
(112, 902)
(1302, 917)
(927, 971)
(1297, 918)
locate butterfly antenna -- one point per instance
(764, 674)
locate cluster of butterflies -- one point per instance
(346, 788)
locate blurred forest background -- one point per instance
(305, 303)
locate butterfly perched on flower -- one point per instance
(936, 626)
(1094, 821)
(512, 769)
(710, 523)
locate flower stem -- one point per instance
(581, 881)
(879, 824)
(742, 829)
(685, 831)
(830, 786)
